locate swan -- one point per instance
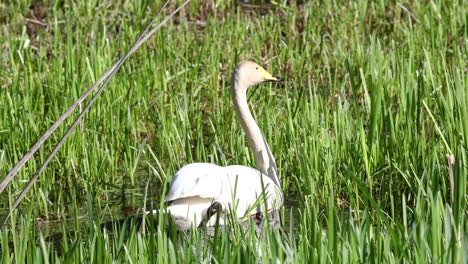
(200, 191)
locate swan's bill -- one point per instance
(268, 77)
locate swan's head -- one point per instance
(249, 73)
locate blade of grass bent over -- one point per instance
(78, 102)
(85, 110)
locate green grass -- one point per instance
(376, 96)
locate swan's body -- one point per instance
(237, 189)
(196, 186)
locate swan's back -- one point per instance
(196, 179)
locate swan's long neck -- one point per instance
(263, 157)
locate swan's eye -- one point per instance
(256, 68)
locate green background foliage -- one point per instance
(375, 99)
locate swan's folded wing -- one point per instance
(197, 179)
(249, 186)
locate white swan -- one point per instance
(200, 191)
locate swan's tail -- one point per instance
(191, 212)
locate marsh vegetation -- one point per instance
(375, 98)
